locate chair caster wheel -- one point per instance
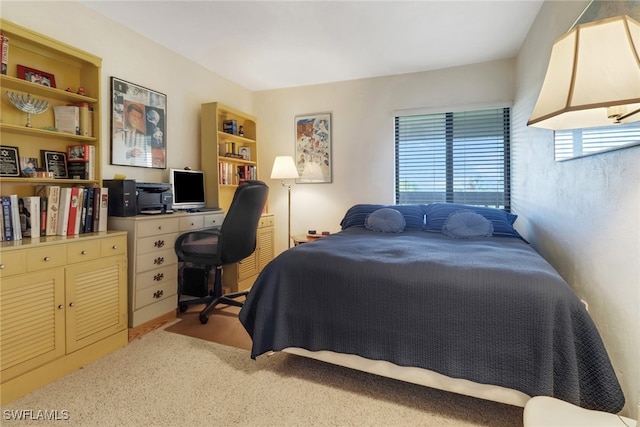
(183, 308)
(203, 319)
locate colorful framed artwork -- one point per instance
(138, 125)
(313, 148)
(36, 76)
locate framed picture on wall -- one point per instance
(138, 125)
(313, 148)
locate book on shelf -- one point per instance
(30, 216)
(88, 217)
(101, 209)
(230, 126)
(67, 119)
(63, 211)
(43, 216)
(86, 119)
(4, 52)
(81, 161)
(82, 210)
(74, 207)
(51, 193)
(15, 217)
(7, 221)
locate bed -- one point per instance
(472, 310)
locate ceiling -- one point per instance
(265, 45)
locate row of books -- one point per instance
(74, 119)
(55, 211)
(233, 174)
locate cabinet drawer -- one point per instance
(213, 220)
(157, 293)
(158, 226)
(157, 276)
(47, 257)
(12, 263)
(113, 246)
(154, 244)
(83, 251)
(189, 223)
(265, 221)
(154, 260)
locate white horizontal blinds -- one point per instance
(583, 142)
(460, 157)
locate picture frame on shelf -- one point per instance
(245, 152)
(28, 166)
(138, 125)
(36, 76)
(9, 161)
(56, 162)
(313, 148)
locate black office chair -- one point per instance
(232, 242)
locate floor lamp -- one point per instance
(285, 168)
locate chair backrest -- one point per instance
(240, 225)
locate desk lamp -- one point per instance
(285, 168)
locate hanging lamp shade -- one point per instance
(593, 77)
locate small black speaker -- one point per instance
(195, 282)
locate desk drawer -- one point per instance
(156, 293)
(265, 221)
(158, 276)
(213, 220)
(113, 246)
(154, 260)
(154, 244)
(189, 223)
(157, 227)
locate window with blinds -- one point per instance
(457, 157)
(585, 142)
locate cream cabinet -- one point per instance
(153, 264)
(240, 276)
(63, 305)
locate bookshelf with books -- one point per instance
(74, 80)
(229, 151)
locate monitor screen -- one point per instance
(187, 187)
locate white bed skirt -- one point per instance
(418, 376)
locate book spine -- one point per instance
(43, 216)
(74, 209)
(4, 52)
(53, 206)
(31, 212)
(15, 216)
(83, 212)
(104, 206)
(63, 212)
(96, 209)
(88, 225)
(7, 222)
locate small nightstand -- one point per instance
(299, 239)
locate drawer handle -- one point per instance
(158, 277)
(47, 259)
(158, 294)
(2, 267)
(71, 304)
(60, 307)
(114, 247)
(159, 227)
(159, 243)
(159, 260)
(83, 253)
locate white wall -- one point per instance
(363, 135)
(582, 215)
(130, 57)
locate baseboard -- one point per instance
(153, 324)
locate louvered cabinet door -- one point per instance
(32, 321)
(266, 246)
(96, 301)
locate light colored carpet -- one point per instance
(167, 379)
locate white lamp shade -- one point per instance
(593, 67)
(284, 168)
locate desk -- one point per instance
(153, 264)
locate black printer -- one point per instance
(153, 198)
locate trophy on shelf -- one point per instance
(28, 105)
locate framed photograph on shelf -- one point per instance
(9, 161)
(313, 148)
(56, 162)
(36, 76)
(245, 152)
(138, 125)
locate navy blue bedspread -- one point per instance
(490, 310)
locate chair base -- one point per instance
(214, 298)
